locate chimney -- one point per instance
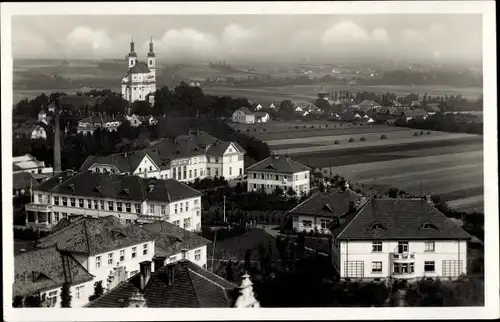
(57, 143)
(171, 274)
(184, 253)
(60, 179)
(145, 269)
(159, 262)
(151, 186)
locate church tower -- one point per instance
(151, 56)
(132, 56)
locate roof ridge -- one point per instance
(213, 282)
(255, 164)
(300, 204)
(60, 230)
(358, 212)
(86, 235)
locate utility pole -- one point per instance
(224, 209)
(213, 250)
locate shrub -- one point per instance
(428, 132)
(415, 134)
(264, 130)
(248, 130)
(239, 130)
(255, 129)
(421, 132)
(336, 142)
(362, 138)
(326, 125)
(383, 137)
(351, 140)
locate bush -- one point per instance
(264, 130)
(336, 142)
(383, 137)
(362, 139)
(351, 140)
(248, 130)
(239, 130)
(421, 132)
(428, 132)
(415, 134)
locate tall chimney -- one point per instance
(171, 274)
(145, 268)
(57, 143)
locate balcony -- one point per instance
(36, 207)
(403, 276)
(402, 257)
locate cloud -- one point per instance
(22, 39)
(86, 38)
(345, 31)
(380, 35)
(235, 34)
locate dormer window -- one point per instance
(328, 207)
(428, 225)
(72, 187)
(377, 225)
(126, 191)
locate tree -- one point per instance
(229, 271)
(17, 301)
(33, 300)
(248, 263)
(98, 291)
(66, 295)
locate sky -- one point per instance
(180, 38)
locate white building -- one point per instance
(400, 239)
(261, 117)
(44, 271)
(134, 120)
(243, 115)
(30, 131)
(28, 163)
(278, 171)
(129, 198)
(108, 123)
(185, 158)
(320, 210)
(103, 246)
(140, 82)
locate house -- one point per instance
(243, 115)
(258, 107)
(185, 158)
(432, 108)
(416, 104)
(261, 117)
(23, 183)
(368, 105)
(278, 171)
(108, 123)
(134, 120)
(105, 247)
(177, 285)
(44, 271)
(317, 212)
(30, 131)
(272, 106)
(129, 198)
(149, 120)
(28, 163)
(401, 239)
(407, 115)
(420, 113)
(173, 243)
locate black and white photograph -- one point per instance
(309, 157)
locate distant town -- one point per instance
(160, 190)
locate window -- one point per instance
(354, 268)
(40, 198)
(296, 177)
(197, 254)
(56, 200)
(64, 201)
(89, 203)
(119, 207)
(187, 223)
(177, 223)
(150, 168)
(195, 202)
(452, 268)
(402, 247)
(230, 170)
(110, 206)
(255, 175)
(134, 252)
(277, 177)
(190, 174)
(197, 213)
(96, 204)
(187, 206)
(163, 209)
(184, 170)
(195, 173)
(122, 255)
(404, 268)
(174, 176)
(128, 207)
(151, 209)
(216, 172)
(262, 176)
(79, 291)
(52, 298)
(254, 186)
(110, 259)
(137, 208)
(324, 223)
(305, 175)
(208, 172)
(429, 266)
(376, 267)
(376, 246)
(182, 207)
(430, 246)
(145, 249)
(175, 208)
(241, 171)
(72, 202)
(98, 261)
(307, 223)
(56, 216)
(64, 215)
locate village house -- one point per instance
(176, 285)
(149, 120)
(108, 123)
(420, 113)
(129, 198)
(243, 115)
(196, 155)
(261, 117)
(44, 271)
(173, 243)
(135, 120)
(407, 115)
(317, 212)
(105, 247)
(278, 171)
(432, 108)
(28, 163)
(367, 105)
(401, 239)
(30, 131)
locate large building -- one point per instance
(129, 198)
(400, 239)
(279, 171)
(243, 115)
(28, 163)
(106, 122)
(140, 82)
(196, 155)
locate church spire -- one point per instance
(132, 45)
(151, 51)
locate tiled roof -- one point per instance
(139, 68)
(171, 240)
(245, 111)
(400, 219)
(102, 119)
(280, 164)
(368, 103)
(23, 180)
(260, 114)
(43, 269)
(327, 204)
(123, 187)
(92, 236)
(124, 162)
(409, 113)
(420, 112)
(192, 287)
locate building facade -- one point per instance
(400, 239)
(278, 171)
(140, 82)
(108, 123)
(243, 115)
(129, 198)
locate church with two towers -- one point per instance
(140, 82)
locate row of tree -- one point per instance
(456, 123)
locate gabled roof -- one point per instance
(43, 269)
(192, 287)
(91, 236)
(260, 114)
(23, 180)
(408, 113)
(327, 204)
(102, 119)
(403, 219)
(278, 164)
(171, 240)
(245, 111)
(124, 162)
(420, 112)
(133, 188)
(368, 103)
(139, 68)
(27, 129)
